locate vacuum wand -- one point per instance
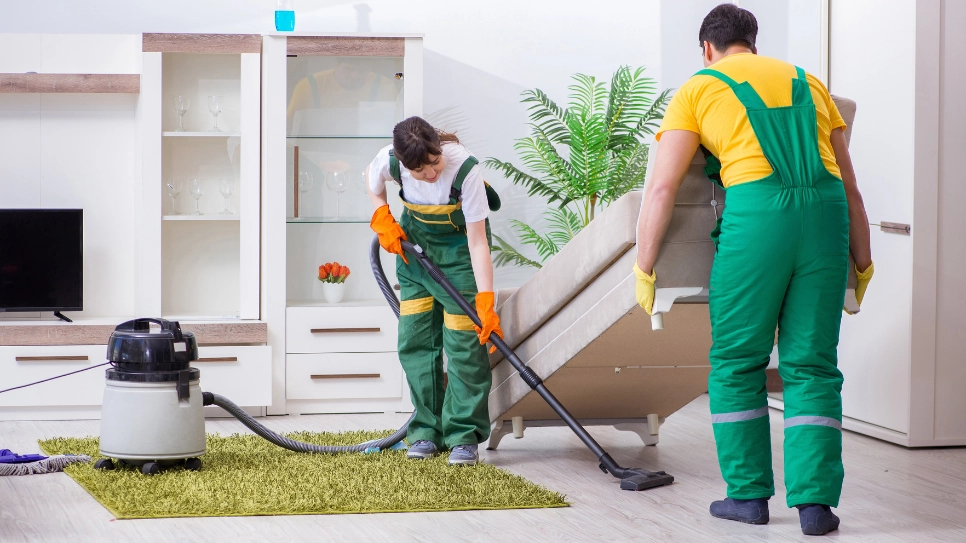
(631, 478)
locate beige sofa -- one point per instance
(576, 322)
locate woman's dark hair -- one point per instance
(728, 25)
(414, 140)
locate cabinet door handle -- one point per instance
(348, 376)
(46, 358)
(219, 359)
(344, 330)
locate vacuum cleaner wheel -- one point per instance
(104, 463)
(150, 468)
(192, 464)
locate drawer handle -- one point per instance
(344, 330)
(348, 376)
(219, 359)
(46, 358)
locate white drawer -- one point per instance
(22, 365)
(241, 374)
(334, 376)
(350, 329)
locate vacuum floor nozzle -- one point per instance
(639, 479)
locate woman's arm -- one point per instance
(860, 243)
(378, 200)
(480, 255)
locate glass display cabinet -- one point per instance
(329, 106)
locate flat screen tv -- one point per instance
(41, 260)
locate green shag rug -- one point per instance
(243, 475)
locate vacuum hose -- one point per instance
(210, 398)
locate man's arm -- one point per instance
(859, 237)
(673, 158)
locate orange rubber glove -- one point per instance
(389, 231)
(489, 318)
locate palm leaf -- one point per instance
(544, 245)
(505, 254)
(649, 122)
(547, 117)
(564, 224)
(534, 185)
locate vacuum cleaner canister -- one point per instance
(152, 413)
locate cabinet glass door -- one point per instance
(341, 112)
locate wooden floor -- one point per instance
(891, 494)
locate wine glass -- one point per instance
(337, 183)
(362, 183)
(214, 106)
(305, 185)
(225, 187)
(197, 189)
(181, 105)
(174, 187)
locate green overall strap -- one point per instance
(394, 167)
(788, 136)
(745, 93)
(456, 192)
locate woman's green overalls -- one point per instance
(782, 253)
(430, 322)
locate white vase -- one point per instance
(333, 292)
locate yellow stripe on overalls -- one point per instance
(457, 322)
(415, 307)
(444, 209)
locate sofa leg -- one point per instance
(497, 431)
(639, 428)
(517, 423)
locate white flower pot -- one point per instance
(333, 292)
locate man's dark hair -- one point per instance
(728, 25)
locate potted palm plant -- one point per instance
(580, 158)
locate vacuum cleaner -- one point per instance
(152, 414)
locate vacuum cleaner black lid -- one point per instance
(133, 347)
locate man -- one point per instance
(793, 214)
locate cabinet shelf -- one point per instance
(175, 134)
(199, 217)
(352, 303)
(325, 220)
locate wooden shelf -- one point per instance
(175, 134)
(78, 333)
(201, 43)
(70, 83)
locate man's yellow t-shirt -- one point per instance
(707, 106)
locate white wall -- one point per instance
(787, 29)
(77, 151)
(479, 55)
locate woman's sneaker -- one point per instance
(464, 455)
(817, 519)
(421, 449)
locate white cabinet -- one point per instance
(904, 355)
(201, 256)
(27, 364)
(240, 373)
(329, 104)
(342, 358)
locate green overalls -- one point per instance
(429, 321)
(782, 253)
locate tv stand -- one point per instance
(61, 316)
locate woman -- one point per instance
(446, 208)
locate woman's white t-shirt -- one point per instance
(474, 206)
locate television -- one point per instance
(42, 260)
